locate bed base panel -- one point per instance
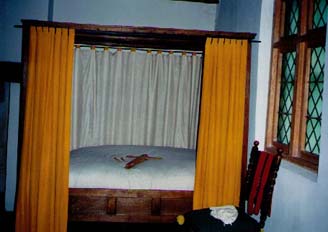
(135, 206)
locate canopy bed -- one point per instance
(126, 204)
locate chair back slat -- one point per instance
(253, 164)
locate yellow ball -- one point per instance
(180, 219)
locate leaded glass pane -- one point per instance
(286, 97)
(320, 11)
(314, 111)
(292, 17)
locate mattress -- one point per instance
(104, 167)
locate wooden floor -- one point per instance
(7, 225)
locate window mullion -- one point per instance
(279, 21)
(305, 90)
(304, 19)
(274, 93)
(310, 14)
(298, 122)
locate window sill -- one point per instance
(302, 163)
(313, 167)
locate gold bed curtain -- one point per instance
(42, 199)
(221, 128)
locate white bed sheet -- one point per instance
(95, 167)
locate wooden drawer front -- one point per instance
(87, 205)
(175, 205)
(133, 206)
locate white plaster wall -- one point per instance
(226, 19)
(12, 146)
(159, 13)
(263, 70)
(235, 16)
(11, 13)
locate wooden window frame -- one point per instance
(302, 43)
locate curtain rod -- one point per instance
(140, 49)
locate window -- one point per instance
(297, 76)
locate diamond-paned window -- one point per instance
(296, 95)
(314, 111)
(320, 11)
(292, 17)
(286, 97)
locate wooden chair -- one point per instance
(261, 172)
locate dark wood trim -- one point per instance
(114, 205)
(281, 146)
(141, 37)
(309, 157)
(145, 31)
(286, 44)
(300, 160)
(246, 128)
(315, 38)
(25, 51)
(194, 43)
(12, 71)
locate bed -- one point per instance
(117, 203)
(156, 190)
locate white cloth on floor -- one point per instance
(227, 214)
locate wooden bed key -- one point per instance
(138, 159)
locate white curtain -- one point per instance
(135, 97)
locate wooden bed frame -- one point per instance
(117, 205)
(112, 205)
